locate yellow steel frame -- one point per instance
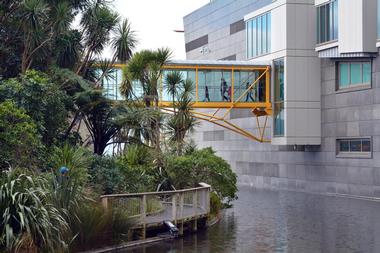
(259, 109)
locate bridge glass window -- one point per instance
(354, 74)
(327, 22)
(214, 86)
(279, 112)
(243, 79)
(258, 32)
(185, 74)
(354, 147)
(111, 83)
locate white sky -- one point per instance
(155, 20)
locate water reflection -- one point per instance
(264, 221)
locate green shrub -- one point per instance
(19, 141)
(137, 166)
(106, 176)
(29, 222)
(137, 155)
(203, 166)
(215, 204)
(76, 159)
(42, 100)
(68, 191)
(98, 227)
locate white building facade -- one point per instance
(325, 128)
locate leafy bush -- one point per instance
(29, 222)
(137, 155)
(19, 141)
(203, 166)
(76, 159)
(106, 176)
(42, 100)
(137, 166)
(215, 204)
(99, 227)
(68, 191)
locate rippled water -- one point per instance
(266, 221)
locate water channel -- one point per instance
(268, 221)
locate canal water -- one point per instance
(268, 221)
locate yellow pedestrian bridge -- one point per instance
(221, 86)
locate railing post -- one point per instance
(181, 203)
(174, 208)
(105, 202)
(208, 200)
(143, 215)
(195, 210)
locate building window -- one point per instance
(353, 74)
(327, 22)
(279, 117)
(354, 147)
(378, 18)
(258, 35)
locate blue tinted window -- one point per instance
(354, 73)
(249, 39)
(335, 20)
(366, 72)
(264, 34)
(269, 32)
(354, 146)
(344, 78)
(327, 22)
(258, 35)
(254, 38)
(279, 111)
(378, 18)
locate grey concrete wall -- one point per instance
(215, 20)
(302, 168)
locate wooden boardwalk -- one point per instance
(151, 209)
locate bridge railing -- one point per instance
(155, 207)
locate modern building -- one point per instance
(325, 91)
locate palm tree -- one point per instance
(145, 67)
(97, 22)
(172, 81)
(99, 118)
(34, 14)
(182, 121)
(123, 43)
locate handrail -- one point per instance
(202, 187)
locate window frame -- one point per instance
(378, 20)
(259, 35)
(353, 86)
(279, 99)
(354, 154)
(330, 20)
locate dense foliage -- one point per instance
(19, 140)
(203, 166)
(53, 111)
(42, 100)
(29, 221)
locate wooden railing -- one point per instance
(156, 207)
